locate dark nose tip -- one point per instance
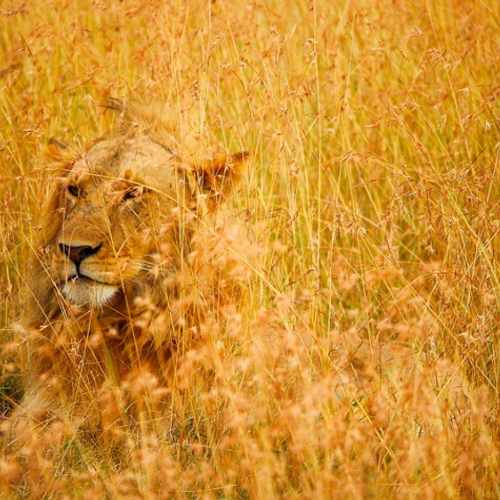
(77, 254)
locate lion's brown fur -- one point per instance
(158, 253)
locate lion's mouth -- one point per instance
(76, 277)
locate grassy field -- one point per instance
(364, 361)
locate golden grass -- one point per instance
(364, 363)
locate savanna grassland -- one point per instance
(363, 359)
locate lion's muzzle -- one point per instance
(83, 283)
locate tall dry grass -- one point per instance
(363, 361)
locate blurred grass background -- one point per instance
(373, 188)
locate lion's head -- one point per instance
(123, 206)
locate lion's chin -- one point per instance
(88, 294)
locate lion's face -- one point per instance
(120, 211)
(115, 207)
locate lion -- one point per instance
(117, 285)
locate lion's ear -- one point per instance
(218, 177)
(57, 154)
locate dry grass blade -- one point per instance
(316, 321)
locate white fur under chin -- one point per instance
(88, 294)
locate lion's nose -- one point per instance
(77, 254)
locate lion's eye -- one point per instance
(129, 195)
(74, 190)
(133, 193)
